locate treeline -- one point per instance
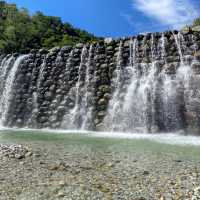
(196, 22)
(20, 32)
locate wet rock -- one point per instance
(108, 40)
(79, 45)
(66, 49)
(43, 51)
(54, 50)
(102, 102)
(101, 114)
(104, 88)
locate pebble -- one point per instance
(60, 194)
(101, 176)
(145, 173)
(28, 154)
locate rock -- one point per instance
(185, 30)
(61, 183)
(61, 109)
(109, 48)
(142, 198)
(140, 37)
(42, 162)
(54, 50)
(42, 119)
(66, 49)
(28, 154)
(33, 51)
(15, 54)
(196, 29)
(53, 167)
(58, 166)
(96, 121)
(103, 66)
(60, 194)
(100, 126)
(196, 194)
(79, 45)
(43, 51)
(102, 102)
(145, 173)
(108, 40)
(107, 96)
(104, 88)
(101, 114)
(110, 164)
(36, 155)
(178, 161)
(19, 156)
(197, 54)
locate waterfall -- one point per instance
(148, 83)
(5, 64)
(114, 106)
(154, 98)
(35, 94)
(136, 111)
(73, 119)
(127, 116)
(178, 40)
(86, 108)
(7, 92)
(5, 67)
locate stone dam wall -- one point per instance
(147, 83)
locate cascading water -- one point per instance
(5, 67)
(32, 119)
(86, 107)
(136, 111)
(127, 108)
(114, 105)
(80, 117)
(7, 92)
(74, 118)
(154, 98)
(6, 62)
(148, 83)
(171, 89)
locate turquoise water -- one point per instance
(187, 147)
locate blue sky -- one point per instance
(116, 18)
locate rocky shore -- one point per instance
(50, 172)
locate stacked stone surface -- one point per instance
(71, 87)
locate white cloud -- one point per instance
(174, 13)
(128, 18)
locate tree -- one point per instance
(21, 32)
(196, 22)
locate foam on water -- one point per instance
(166, 138)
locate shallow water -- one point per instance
(92, 165)
(187, 147)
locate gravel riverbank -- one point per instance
(50, 171)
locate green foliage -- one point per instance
(20, 32)
(196, 22)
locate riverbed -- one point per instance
(89, 165)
